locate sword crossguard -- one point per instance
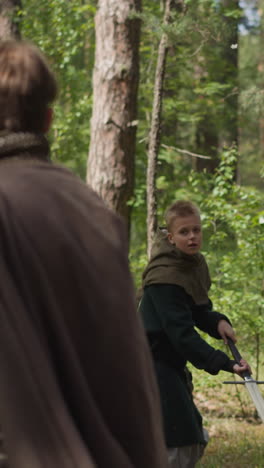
(243, 382)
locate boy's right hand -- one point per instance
(243, 367)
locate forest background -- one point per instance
(210, 141)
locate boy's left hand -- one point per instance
(226, 331)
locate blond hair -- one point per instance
(180, 208)
(27, 87)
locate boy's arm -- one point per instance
(207, 320)
(171, 305)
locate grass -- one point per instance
(233, 443)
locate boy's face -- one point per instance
(186, 234)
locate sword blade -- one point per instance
(250, 383)
(256, 396)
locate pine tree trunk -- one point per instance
(8, 27)
(110, 170)
(260, 77)
(211, 139)
(231, 58)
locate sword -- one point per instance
(250, 383)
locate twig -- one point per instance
(198, 49)
(232, 93)
(194, 155)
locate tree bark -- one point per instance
(260, 76)
(8, 27)
(231, 58)
(110, 169)
(154, 134)
(211, 139)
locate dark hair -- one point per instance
(27, 87)
(180, 208)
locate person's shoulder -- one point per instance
(21, 178)
(51, 198)
(36, 184)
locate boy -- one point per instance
(175, 300)
(76, 390)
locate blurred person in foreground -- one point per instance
(77, 388)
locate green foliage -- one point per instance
(251, 108)
(234, 229)
(64, 31)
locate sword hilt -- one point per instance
(236, 355)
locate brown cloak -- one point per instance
(77, 388)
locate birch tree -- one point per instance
(154, 134)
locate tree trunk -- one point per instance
(231, 59)
(8, 27)
(260, 76)
(207, 138)
(154, 134)
(210, 139)
(110, 170)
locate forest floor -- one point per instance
(234, 443)
(236, 433)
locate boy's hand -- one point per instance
(226, 331)
(243, 367)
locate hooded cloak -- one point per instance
(169, 265)
(77, 388)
